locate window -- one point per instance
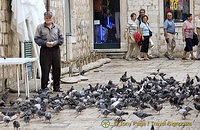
(107, 24)
(179, 9)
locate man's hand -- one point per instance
(55, 43)
(166, 36)
(49, 44)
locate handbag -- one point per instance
(195, 39)
(150, 33)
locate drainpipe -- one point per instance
(47, 5)
(68, 30)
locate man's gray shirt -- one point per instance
(169, 26)
(43, 34)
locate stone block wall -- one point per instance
(79, 26)
(4, 26)
(6, 41)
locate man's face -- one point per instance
(48, 19)
(169, 16)
(142, 13)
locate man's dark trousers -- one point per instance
(50, 56)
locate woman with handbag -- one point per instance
(146, 33)
(131, 28)
(187, 33)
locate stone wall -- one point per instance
(6, 41)
(4, 26)
(79, 26)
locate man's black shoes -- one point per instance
(58, 90)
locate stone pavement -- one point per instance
(91, 118)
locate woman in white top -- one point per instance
(131, 28)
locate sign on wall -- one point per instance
(176, 4)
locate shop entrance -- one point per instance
(106, 24)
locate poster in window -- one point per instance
(176, 4)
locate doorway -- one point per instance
(106, 24)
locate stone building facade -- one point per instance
(81, 42)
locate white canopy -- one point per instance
(26, 13)
(26, 16)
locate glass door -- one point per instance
(106, 24)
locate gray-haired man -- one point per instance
(169, 33)
(49, 36)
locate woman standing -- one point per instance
(145, 35)
(131, 28)
(187, 33)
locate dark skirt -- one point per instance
(145, 44)
(188, 46)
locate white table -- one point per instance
(20, 61)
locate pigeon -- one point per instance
(124, 77)
(9, 113)
(105, 112)
(12, 102)
(48, 115)
(16, 124)
(40, 113)
(155, 73)
(157, 108)
(27, 119)
(80, 108)
(184, 113)
(119, 119)
(187, 108)
(82, 72)
(27, 101)
(2, 103)
(120, 112)
(6, 119)
(197, 107)
(19, 100)
(5, 96)
(142, 115)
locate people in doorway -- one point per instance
(187, 33)
(131, 29)
(145, 35)
(151, 44)
(169, 33)
(49, 36)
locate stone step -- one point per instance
(115, 55)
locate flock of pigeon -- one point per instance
(151, 92)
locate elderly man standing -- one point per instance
(48, 35)
(169, 32)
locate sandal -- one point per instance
(138, 58)
(193, 58)
(146, 58)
